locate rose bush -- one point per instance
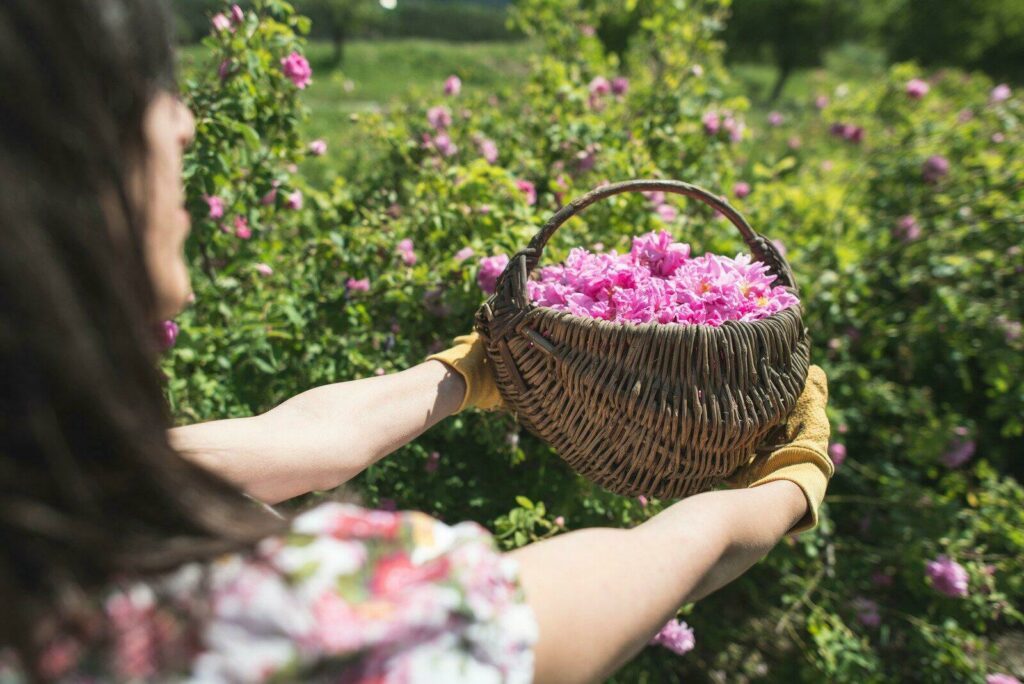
(909, 269)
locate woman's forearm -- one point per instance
(325, 436)
(601, 594)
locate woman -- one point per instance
(132, 552)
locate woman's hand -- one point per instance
(800, 455)
(469, 358)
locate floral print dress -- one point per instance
(349, 595)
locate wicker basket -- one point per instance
(663, 410)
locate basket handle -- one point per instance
(522, 264)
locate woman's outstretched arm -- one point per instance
(325, 436)
(600, 594)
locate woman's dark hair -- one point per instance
(90, 488)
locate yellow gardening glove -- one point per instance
(803, 457)
(469, 359)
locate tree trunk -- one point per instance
(780, 82)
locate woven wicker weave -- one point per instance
(663, 410)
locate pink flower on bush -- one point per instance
(237, 15)
(216, 205)
(440, 117)
(271, 195)
(560, 521)
(297, 69)
(741, 189)
(642, 500)
(242, 229)
(224, 70)
(711, 123)
(1001, 93)
(361, 285)
(405, 250)
(600, 86)
(168, 334)
(916, 88)
(620, 84)
(294, 200)
(1000, 678)
(960, 449)
(775, 119)
(433, 460)
(934, 168)
(264, 269)
(443, 144)
(837, 452)
(947, 576)
(463, 254)
(821, 101)
(527, 188)
(452, 85)
(779, 246)
(488, 271)
(676, 636)
(318, 147)
(489, 150)
(794, 142)
(667, 212)
(907, 228)
(221, 22)
(867, 611)
(655, 197)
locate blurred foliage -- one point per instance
(919, 335)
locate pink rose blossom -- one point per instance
(264, 270)
(837, 451)
(916, 88)
(907, 229)
(452, 85)
(318, 147)
(655, 197)
(440, 117)
(297, 69)
(658, 281)
(821, 101)
(168, 334)
(947, 576)
(463, 254)
(1001, 93)
(676, 636)
(960, 450)
(237, 15)
(560, 521)
(1000, 678)
(600, 86)
(527, 188)
(271, 195)
(667, 212)
(443, 144)
(216, 205)
(221, 22)
(294, 200)
(379, 371)
(405, 250)
(587, 30)
(794, 142)
(620, 84)
(488, 271)
(433, 459)
(489, 150)
(867, 611)
(643, 501)
(998, 137)
(361, 285)
(741, 189)
(242, 229)
(711, 123)
(934, 168)
(775, 119)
